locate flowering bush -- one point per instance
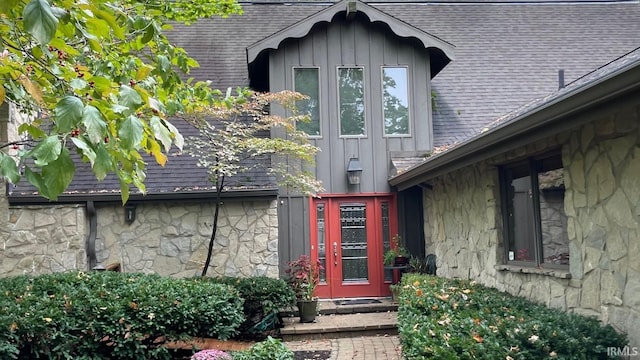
(303, 275)
(211, 354)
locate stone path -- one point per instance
(385, 347)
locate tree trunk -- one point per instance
(219, 185)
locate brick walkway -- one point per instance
(385, 347)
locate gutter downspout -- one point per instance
(92, 260)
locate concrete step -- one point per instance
(344, 320)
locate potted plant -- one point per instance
(397, 255)
(303, 275)
(395, 291)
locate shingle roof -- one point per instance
(507, 53)
(616, 79)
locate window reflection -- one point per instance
(306, 81)
(395, 100)
(351, 93)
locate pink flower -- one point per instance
(211, 354)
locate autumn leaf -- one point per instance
(443, 297)
(418, 292)
(47, 319)
(477, 338)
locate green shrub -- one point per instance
(263, 299)
(456, 319)
(102, 315)
(269, 349)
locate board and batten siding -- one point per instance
(349, 43)
(358, 43)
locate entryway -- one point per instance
(348, 236)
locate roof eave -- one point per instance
(400, 28)
(541, 121)
(240, 194)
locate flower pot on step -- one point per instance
(307, 310)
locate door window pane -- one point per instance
(354, 242)
(306, 81)
(351, 99)
(395, 99)
(322, 253)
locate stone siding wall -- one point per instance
(42, 239)
(172, 239)
(166, 238)
(463, 224)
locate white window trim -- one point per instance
(409, 98)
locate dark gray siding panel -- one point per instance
(293, 229)
(358, 43)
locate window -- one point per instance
(533, 207)
(351, 94)
(395, 100)
(305, 81)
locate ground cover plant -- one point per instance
(458, 319)
(109, 315)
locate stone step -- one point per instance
(344, 319)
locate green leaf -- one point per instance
(130, 132)
(161, 132)
(178, 138)
(148, 34)
(130, 98)
(39, 20)
(85, 148)
(33, 131)
(93, 123)
(58, 174)
(35, 179)
(8, 168)
(68, 113)
(103, 163)
(47, 151)
(124, 191)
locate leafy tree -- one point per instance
(233, 135)
(98, 77)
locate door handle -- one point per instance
(335, 253)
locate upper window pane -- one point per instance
(351, 93)
(305, 81)
(395, 100)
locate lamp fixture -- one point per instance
(354, 171)
(130, 213)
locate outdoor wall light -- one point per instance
(354, 171)
(130, 213)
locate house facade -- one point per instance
(390, 86)
(544, 204)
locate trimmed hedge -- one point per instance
(263, 298)
(456, 319)
(110, 315)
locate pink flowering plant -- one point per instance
(211, 354)
(303, 275)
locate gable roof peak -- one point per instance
(443, 51)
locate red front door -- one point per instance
(348, 237)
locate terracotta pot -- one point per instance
(307, 310)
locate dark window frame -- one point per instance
(533, 166)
